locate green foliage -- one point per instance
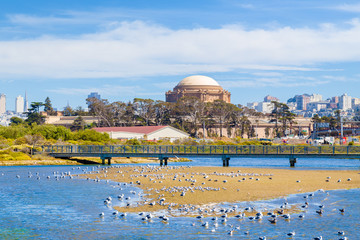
(52, 132)
(13, 132)
(11, 155)
(91, 135)
(16, 121)
(20, 141)
(133, 142)
(351, 143)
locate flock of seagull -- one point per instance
(219, 214)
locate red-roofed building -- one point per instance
(144, 132)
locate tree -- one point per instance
(79, 124)
(162, 113)
(282, 114)
(145, 109)
(33, 140)
(193, 110)
(221, 111)
(16, 121)
(33, 115)
(102, 110)
(48, 107)
(68, 111)
(79, 111)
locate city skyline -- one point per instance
(142, 49)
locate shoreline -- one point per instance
(82, 161)
(171, 187)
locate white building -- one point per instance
(252, 105)
(355, 101)
(316, 106)
(144, 132)
(315, 98)
(19, 104)
(345, 102)
(2, 104)
(265, 107)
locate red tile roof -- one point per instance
(137, 129)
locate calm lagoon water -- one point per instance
(46, 208)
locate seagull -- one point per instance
(273, 220)
(318, 238)
(206, 224)
(320, 211)
(290, 234)
(341, 233)
(342, 210)
(301, 216)
(102, 214)
(262, 238)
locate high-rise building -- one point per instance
(302, 101)
(2, 103)
(345, 102)
(94, 95)
(265, 107)
(19, 104)
(26, 103)
(269, 98)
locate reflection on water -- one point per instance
(51, 205)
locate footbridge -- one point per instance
(225, 153)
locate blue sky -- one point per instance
(138, 48)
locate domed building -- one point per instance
(203, 87)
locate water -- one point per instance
(32, 208)
(302, 163)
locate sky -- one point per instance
(126, 49)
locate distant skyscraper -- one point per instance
(345, 102)
(26, 103)
(93, 95)
(302, 101)
(2, 103)
(19, 104)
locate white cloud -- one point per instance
(349, 7)
(285, 81)
(107, 90)
(137, 48)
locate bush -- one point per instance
(14, 132)
(20, 141)
(133, 142)
(91, 135)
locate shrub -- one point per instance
(91, 135)
(133, 142)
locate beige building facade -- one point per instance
(202, 87)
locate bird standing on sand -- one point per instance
(291, 234)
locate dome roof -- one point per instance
(198, 80)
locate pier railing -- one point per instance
(201, 150)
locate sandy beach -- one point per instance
(210, 185)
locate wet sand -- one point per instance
(210, 185)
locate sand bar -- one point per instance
(209, 185)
